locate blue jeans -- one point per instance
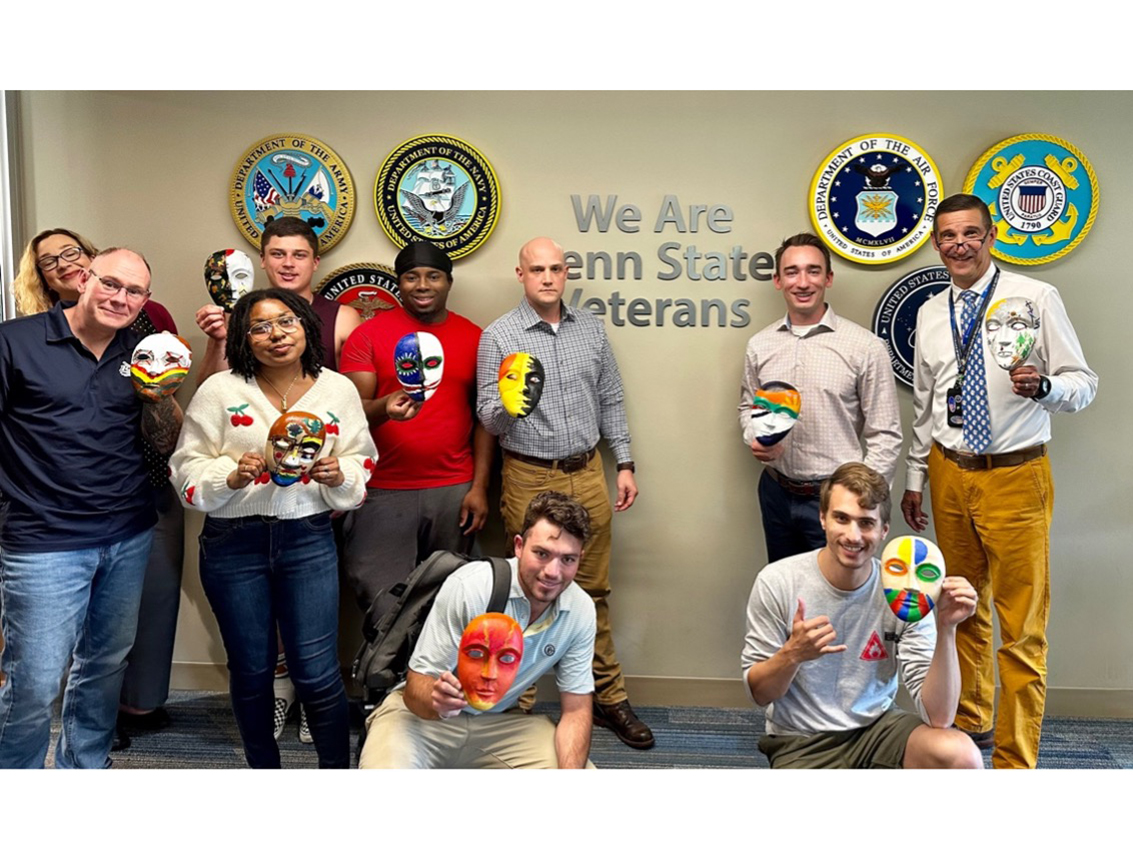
(259, 571)
(790, 523)
(79, 606)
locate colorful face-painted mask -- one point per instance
(490, 651)
(1011, 324)
(159, 364)
(419, 362)
(774, 411)
(912, 571)
(294, 443)
(229, 275)
(521, 383)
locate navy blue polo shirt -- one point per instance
(71, 466)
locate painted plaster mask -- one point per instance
(490, 651)
(294, 443)
(1011, 324)
(521, 383)
(159, 364)
(912, 572)
(774, 411)
(419, 361)
(228, 274)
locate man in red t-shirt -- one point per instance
(429, 490)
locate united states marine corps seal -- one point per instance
(367, 287)
(873, 198)
(895, 319)
(437, 189)
(1042, 194)
(292, 175)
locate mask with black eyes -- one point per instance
(912, 572)
(158, 365)
(1011, 325)
(229, 274)
(521, 383)
(774, 411)
(294, 443)
(419, 362)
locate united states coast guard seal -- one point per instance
(367, 287)
(1042, 194)
(292, 175)
(437, 189)
(874, 197)
(895, 319)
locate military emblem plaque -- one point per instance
(1042, 193)
(367, 287)
(873, 198)
(437, 189)
(292, 175)
(895, 317)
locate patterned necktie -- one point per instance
(977, 420)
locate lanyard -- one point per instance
(963, 345)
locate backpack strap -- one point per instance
(501, 585)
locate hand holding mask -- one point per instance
(774, 411)
(521, 383)
(912, 572)
(294, 443)
(158, 365)
(419, 362)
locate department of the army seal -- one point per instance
(367, 287)
(873, 198)
(437, 189)
(292, 175)
(1042, 194)
(895, 318)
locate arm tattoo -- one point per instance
(161, 424)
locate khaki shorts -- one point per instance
(879, 745)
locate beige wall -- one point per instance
(151, 170)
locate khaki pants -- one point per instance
(521, 483)
(398, 738)
(993, 527)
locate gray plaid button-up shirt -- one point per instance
(582, 397)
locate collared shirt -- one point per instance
(71, 466)
(562, 637)
(582, 392)
(844, 379)
(1016, 422)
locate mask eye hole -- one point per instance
(928, 572)
(896, 568)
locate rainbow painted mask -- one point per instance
(229, 275)
(294, 443)
(912, 572)
(491, 649)
(774, 411)
(521, 383)
(419, 361)
(159, 364)
(1011, 324)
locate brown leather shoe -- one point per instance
(620, 719)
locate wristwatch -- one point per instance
(627, 465)
(1044, 388)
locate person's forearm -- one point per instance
(572, 740)
(483, 450)
(941, 691)
(419, 695)
(769, 680)
(161, 424)
(213, 361)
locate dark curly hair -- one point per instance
(238, 345)
(561, 511)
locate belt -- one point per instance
(970, 461)
(799, 488)
(574, 463)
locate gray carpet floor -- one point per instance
(203, 735)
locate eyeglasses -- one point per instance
(49, 262)
(952, 244)
(113, 287)
(287, 324)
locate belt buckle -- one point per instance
(574, 463)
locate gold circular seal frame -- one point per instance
(846, 153)
(485, 216)
(974, 173)
(280, 200)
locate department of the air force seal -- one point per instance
(367, 287)
(292, 175)
(437, 189)
(895, 319)
(873, 198)
(1042, 194)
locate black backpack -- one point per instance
(397, 615)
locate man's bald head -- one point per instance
(539, 243)
(542, 271)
